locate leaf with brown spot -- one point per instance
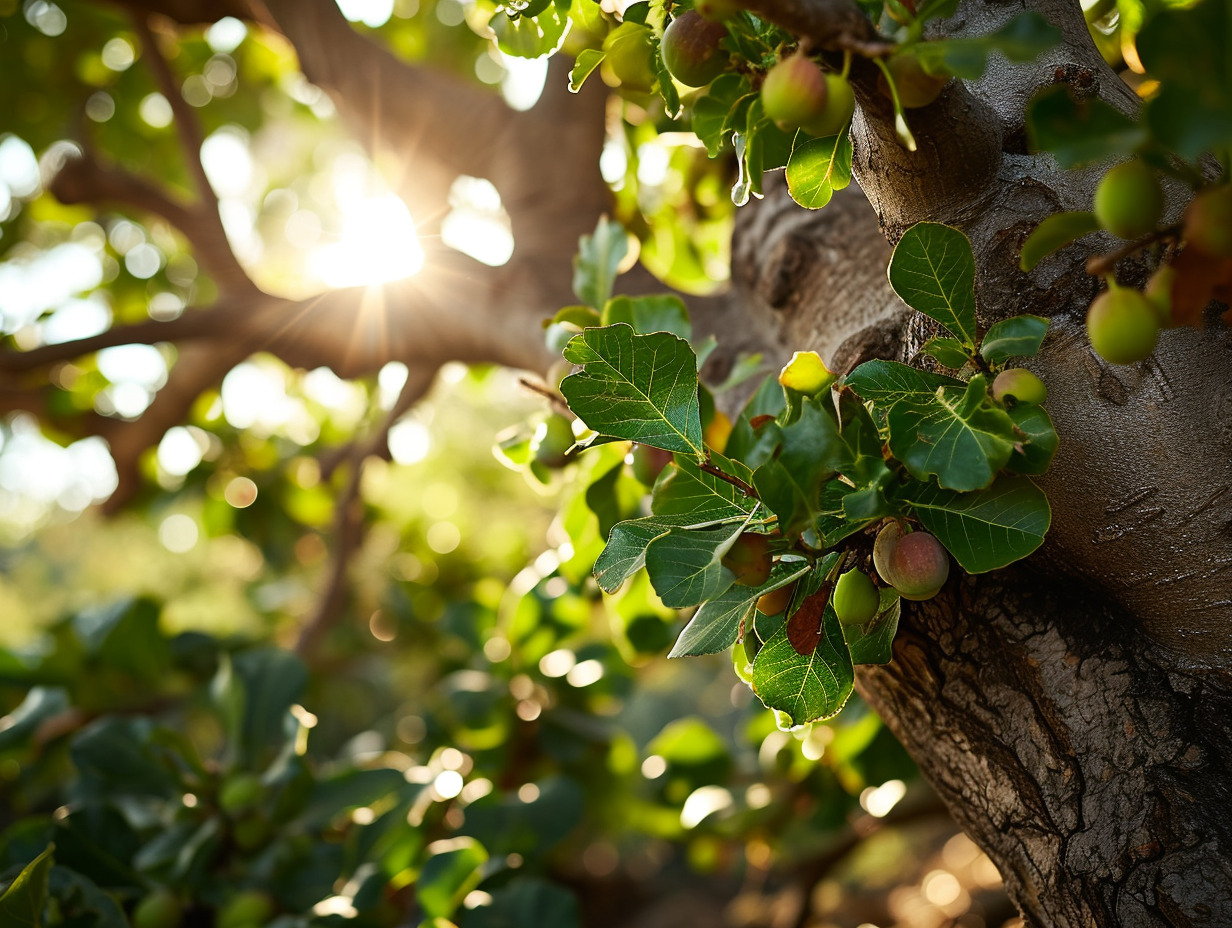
(804, 625)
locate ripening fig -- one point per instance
(1159, 293)
(160, 909)
(1019, 384)
(1122, 325)
(1208, 222)
(1129, 200)
(840, 104)
(553, 437)
(916, 87)
(691, 49)
(628, 51)
(248, 909)
(794, 92)
(648, 463)
(915, 564)
(749, 559)
(775, 601)
(240, 791)
(855, 598)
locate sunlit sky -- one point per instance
(352, 231)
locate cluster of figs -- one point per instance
(1123, 323)
(913, 563)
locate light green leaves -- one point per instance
(987, 529)
(588, 60)
(21, 904)
(1057, 231)
(449, 874)
(817, 168)
(598, 258)
(933, 271)
(661, 312)
(639, 387)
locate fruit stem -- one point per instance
(1102, 265)
(901, 129)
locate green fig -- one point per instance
(1129, 200)
(794, 92)
(855, 598)
(1019, 384)
(1122, 325)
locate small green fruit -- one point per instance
(749, 559)
(160, 909)
(1129, 200)
(1159, 293)
(691, 49)
(840, 105)
(855, 598)
(1019, 384)
(775, 601)
(1122, 325)
(794, 92)
(916, 87)
(240, 791)
(648, 463)
(248, 909)
(1208, 222)
(552, 438)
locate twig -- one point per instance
(728, 478)
(1102, 265)
(348, 524)
(548, 394)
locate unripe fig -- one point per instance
(160, 909)
(776, 601)
(1159, 293)
(717, 10)
(691, 49)
(248, 909)
(628, 55)
(916, 87)
(1020, 384)
(648, 463)
(240, 791)
(915, 564)
(1129, 200)
(552, 438)
(840, 104)
(1208, 222)
(794, 92)
(855, 598)
(749, 559)
(1122, 325)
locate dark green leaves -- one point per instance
(625, 553)
(701, 496)
(717, 623)
(639, 387)
(21, 905)
(987, 529)
(933, 271)
(1016, 337)
(685, 567)
(817, 168)
(1057, 231)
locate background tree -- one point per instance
(1071, 710)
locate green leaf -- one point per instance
(685, 565)
(1079, 132)
(625, 553)
(449, 874)
(790, 482)
(947, 351)
(959, 437)
(933, 271)
(1023, 38)
(987, 529)
(817, 168)
(712, 109)
(639, 387)
(1039, 443)
(273, 680)
(832, 524)
(664, 312)
(21, 905)
(584, 65)
(872, 643)
(530, 36)
(664, 85)
(1055, 232)
(807, 687)
(887, 382)
(687, 490)
(1016, 337)
(717, 623)
(598, 258)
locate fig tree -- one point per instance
(915, 564)
(1208, 222)
(794, 92)
(691, 49)
(1129, 200)
(776, 601)
(916, 87)
(855, 598)
(749, 559)
(1122, 325)
(648, 463)
(840, 104)
(160, 909)
(1021, 385)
